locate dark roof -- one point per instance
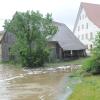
(92, 12)
(66, 39)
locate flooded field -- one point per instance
(21, 84)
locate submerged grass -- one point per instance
(88, 89)
(54, 64)
(10, 64)
(63, 63)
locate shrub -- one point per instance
(92, 65)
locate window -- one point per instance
(86, 36)
(82, 36)
(9, 49)
(91, 35)
(91, 46)
(83, 17)
(78, 36)
(80, 17)
(78, 28)
(86, 25)
(82, 26)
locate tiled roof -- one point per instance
(66, 39)
(92, 12)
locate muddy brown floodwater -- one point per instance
(20, 84)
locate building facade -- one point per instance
(87, 24)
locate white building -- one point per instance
(87, 23)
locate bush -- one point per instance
(37, 58)
(92, 65)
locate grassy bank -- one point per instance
(89, 89)
(63, 63)
(54, 64)
(10, 64)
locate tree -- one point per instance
(31, 30)
(93, 63)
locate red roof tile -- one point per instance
(92, 12)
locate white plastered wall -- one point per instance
(81, 34)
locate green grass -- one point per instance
(10, 64)
(89, 89)
(55, 64)
(72, 62)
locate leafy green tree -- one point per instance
(31, 30)
(93, 63)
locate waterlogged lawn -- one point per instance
(54, 64)
(88, 89)
(62, 63)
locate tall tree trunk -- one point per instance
(30, 55)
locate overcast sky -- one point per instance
(64, 11)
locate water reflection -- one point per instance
(19, 84)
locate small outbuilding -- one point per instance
(65, 45)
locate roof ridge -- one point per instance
(59, 23)
(93, 12)
(85, 3)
